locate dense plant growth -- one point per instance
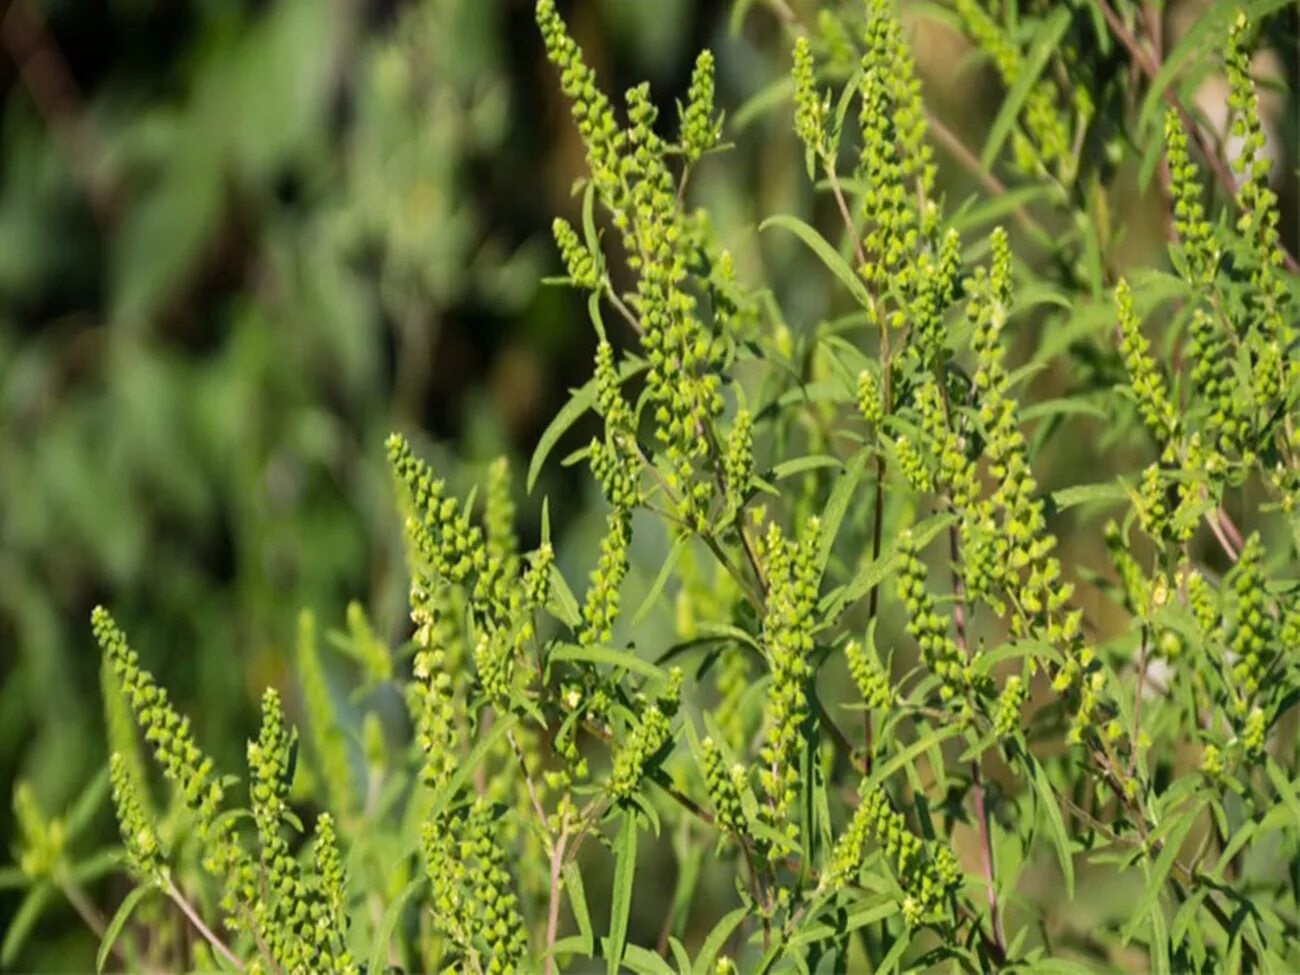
(1044, 722)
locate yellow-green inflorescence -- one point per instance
(630, 173)
(583, 267)
(930, 630)
(700, 128)
(895, 164)
(1252, 632)
(1197, 247)
(812, 110)
(1260, 251)
(167, 732)
(1147, 384)
(647, 735)
(725, 787)
(927, 873)
(788, 644)
(145, 851)
(475, 906)
(869, 675)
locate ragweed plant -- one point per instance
(871, 665)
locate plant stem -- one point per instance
(553, 905)
(188, 910)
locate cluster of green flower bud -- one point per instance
(1199, 251)
(916, 158)
(1015, 527)
(927, 877)
(738, 462)
(733, 682)
(186, 767)
(648, 735)
(474, 900)
(583, 266)
(1211, 372)
(600, 607)
(1147, 384)
(287, 911)
(869, 675)
(431, 695)
(812, 110)
(639, 192)
(700, 129)
(1044, 143)
(145, 851)
(166, 731)
(930, 630)
(439, 528)
(619, 421)
(886, 162)
(1006, 715)
(592, 112)
(788, 644)
(912, 464)
(946, 466)
(1260, 248)
(1257, 223)
(725, 787)
(1252, 633)
(936, 289)
(871, 403)
(331, 882)
(685, 390)
(1203, 600)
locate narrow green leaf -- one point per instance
(824, 251)
(606, 655)
(800, 464)
(115, 926)
(927, 741)
(1285, 789)
(486, 742)
(563, 604)
(846, 487)
(895, 954)
(766, 98)
(1046, 41)
(992, 209)
(643, 961)
(572, 945)
(657, 587)
(579, 403)
(620, 904)
(98, 864)
(22, 922)
(578, 905)
(1085, 493)
(680, 955)
(581, 400)
(713, 944)
(1145, 910)
(1060, 838)
(87, 804)
(388, 924)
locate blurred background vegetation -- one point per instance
(240, 241)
